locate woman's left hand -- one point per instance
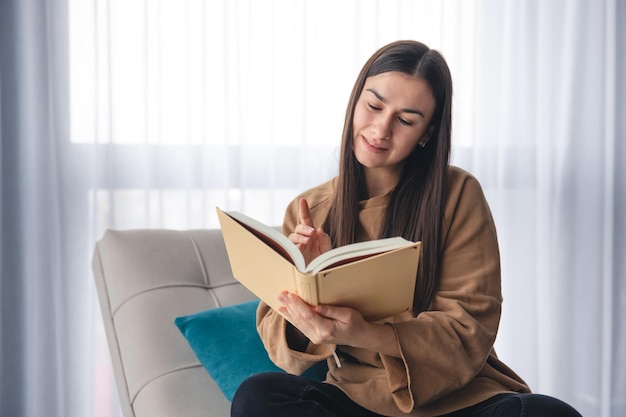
(327, 324)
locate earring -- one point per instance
(422, 144)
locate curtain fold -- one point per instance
(149, 114)
(615, 381)
(44, 365)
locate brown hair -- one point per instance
(417, 202)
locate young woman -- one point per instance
(395, 180)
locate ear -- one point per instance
(426, 137)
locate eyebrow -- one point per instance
(381, 98)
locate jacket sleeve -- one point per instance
(443, 349)
(272, 326)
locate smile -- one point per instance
(372, 146)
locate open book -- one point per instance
(376, 277)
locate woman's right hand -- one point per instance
(312, 242)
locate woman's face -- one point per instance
(391, 118)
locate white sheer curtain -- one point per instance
(546, 145)
(134, 114)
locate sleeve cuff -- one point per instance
(398, 378)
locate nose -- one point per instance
(381, 127)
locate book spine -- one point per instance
(306, 287)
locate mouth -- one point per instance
(373, 146)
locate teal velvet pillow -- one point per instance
(226, 342)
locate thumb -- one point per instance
(323, 239)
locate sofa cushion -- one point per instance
(226, 342)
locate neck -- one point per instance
(380, 181)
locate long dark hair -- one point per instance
(417, 203)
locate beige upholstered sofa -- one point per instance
(145, 279)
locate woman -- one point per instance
(395, 179)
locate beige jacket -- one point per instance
(448, 361)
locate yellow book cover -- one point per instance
(376, 277)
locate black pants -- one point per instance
(284, 395)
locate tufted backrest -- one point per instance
(145, 279)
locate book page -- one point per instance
(348, 253)
(286, 248)
(271, 237)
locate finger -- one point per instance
(285, 312)
(298, 308)
(292, 301)
(340, 314)
(304, 214)
(305, 230)
(299, 313)
(299, 239)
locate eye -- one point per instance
(405, 122)
(373, 107)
